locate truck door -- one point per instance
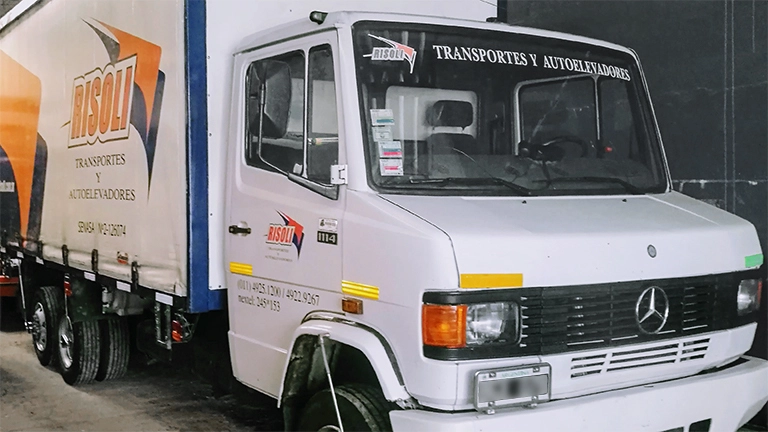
(282, 240)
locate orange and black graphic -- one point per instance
(23, 153)
(128, 91)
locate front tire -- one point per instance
(362, 408)
(45, 320)
(79, 348)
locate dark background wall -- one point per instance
(707, 68)
(706, 63)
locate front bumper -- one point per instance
(728, 397)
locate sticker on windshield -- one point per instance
(391, 167)
(483, 55)
(390, 149)
(381, 117)
(394, 52)
(382, 133)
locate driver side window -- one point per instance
(293, 141)
(282, 131)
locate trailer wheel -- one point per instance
(45, 319)
(115, 349)
(362, 408)
(79, 349)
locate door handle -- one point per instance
(236, 229)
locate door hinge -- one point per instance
(338, 174)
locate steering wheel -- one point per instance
(569, 139)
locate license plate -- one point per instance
(524, 385)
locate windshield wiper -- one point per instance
(520, 190)
(629, 187)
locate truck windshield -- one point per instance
(463, 111)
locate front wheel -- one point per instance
(362, 408)
(79, 348)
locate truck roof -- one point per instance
(302, 27)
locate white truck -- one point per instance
(412, 222)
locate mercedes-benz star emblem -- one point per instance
(652, 310)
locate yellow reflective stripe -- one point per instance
(360, 290)
(491, 280)
(240, 268)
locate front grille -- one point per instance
(699, 426)
(620, 360)
(592, 317)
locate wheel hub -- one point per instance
(39, 332)
(66, 341)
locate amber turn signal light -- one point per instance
(353, 306)
(444, 325)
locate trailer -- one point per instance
(409, 217)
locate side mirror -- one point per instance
(270, 85)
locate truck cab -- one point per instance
(472, 219)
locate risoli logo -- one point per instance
(123, 94)
(101, 104)
(291, 233)
(395, 52)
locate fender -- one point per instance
(343, 330)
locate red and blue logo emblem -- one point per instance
(394, 52)
(291, 233)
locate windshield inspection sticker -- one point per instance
(391, 167)
(483, 55)
(394, 52)
(390, 149)
(382, 117)
(382, 133)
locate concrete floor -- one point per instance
(156, 397)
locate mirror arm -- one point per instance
(331, 192)
(262, 104)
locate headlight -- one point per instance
(464, 325)
(474, 324)
(748, 297)
(492, 322)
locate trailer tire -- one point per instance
(45, 318)
(362, 408)
(79, 349)
(115, 349)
